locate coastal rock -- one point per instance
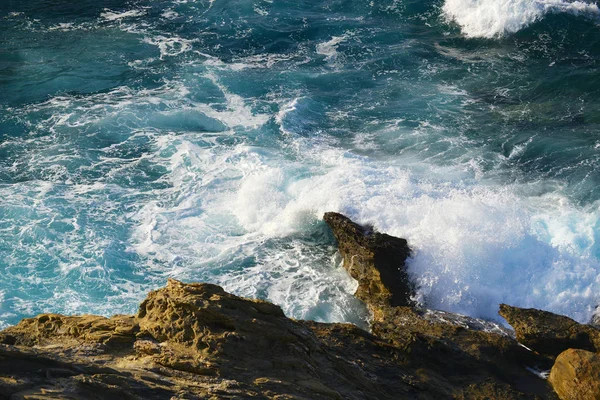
(576, 375)
(376, 260)
(117, 331)
(192, 340)
(198, 341)
(444, 344)
(549, 333)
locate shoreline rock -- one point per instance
(376, 260)
(196, 341)
(549, 333)
(576, 375)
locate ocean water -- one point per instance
(203, 140)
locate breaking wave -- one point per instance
(493, 18)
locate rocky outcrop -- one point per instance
(549, 333)
(376, 260)
(481, 353)
(576, 375)
(196, 341)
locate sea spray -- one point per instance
(491, 18)
(204, 142)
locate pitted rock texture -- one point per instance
(198, 341)
(576, 375)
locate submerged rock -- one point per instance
(576, 375)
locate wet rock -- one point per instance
(198, 341)
(576, 375)
(469, 357)
(549, 333)
(376, 260)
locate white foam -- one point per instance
(170, 46)
(109, 15)
(238, 214)
(63, 26)
(260, 11)
(237, 113)
(169, 14)
(285, 110)
(221, 217)
(492, 18)
(3, 314)
(329, 49)
(476, 245)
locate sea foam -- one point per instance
(203, 169)
(493, 18)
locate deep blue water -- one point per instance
(203, 140)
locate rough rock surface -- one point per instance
(196, 341)
(549, 333)
(576, 375)
(375, 260)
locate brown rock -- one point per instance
(376, 260)
(91, 329)
(198, 341)
(549, 333)
(576, 375)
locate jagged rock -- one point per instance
(576, 375)
(483, 353)
(198, 341)
(375, 260)
(92, 329)
(549, 333)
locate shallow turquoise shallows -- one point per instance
(204, 140)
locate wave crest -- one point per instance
(494, 18)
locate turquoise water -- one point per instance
(203, 140)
